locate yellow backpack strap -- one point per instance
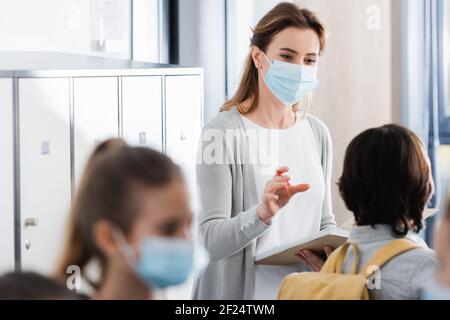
(389, 251)
(335, 261)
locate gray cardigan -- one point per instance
(228, 223)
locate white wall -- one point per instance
(66, 25)
(146, 30)
(202, 35)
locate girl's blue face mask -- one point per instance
(290, 82)
(165, 262)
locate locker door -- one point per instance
(184, 103)
(45, 191)
(6, 180)
(95, 116)
(184, 120)
(141, 111)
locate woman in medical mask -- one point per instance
(264, 172)
(130, 222)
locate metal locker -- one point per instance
(96, 116)
(184, 104)
(183, 119)
(45, 185)
(142, 111)
(7, 177)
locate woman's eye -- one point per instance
(286, 57)
(310, 61)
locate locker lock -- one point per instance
(31, 222)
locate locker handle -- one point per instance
(31, 222)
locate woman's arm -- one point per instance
(224, 235)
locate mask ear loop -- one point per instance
(123, 245)
(270, 62)
(260, 66)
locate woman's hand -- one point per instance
(277, 193)
(313, 261)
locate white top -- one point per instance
(296, 148)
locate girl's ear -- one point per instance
(103, 235)
(256, 54)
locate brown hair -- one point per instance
(282, 16)
(386, 179)
(107, 191)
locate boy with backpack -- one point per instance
(386, 183)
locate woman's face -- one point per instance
(292, 45)
(164, 212)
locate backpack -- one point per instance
(331, 284)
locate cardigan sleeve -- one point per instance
(222, 234)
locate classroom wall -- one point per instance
(359, 73)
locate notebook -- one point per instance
(285, 254)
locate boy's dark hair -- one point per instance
(33, 286)
(387, 179)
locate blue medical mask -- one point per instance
(290, 82)
(435, 291)
(165, 262)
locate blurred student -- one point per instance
(438, 288)
(386, 183)
(33, 286)
(131, 215)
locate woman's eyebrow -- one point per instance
(295, 52)
(290, 50)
